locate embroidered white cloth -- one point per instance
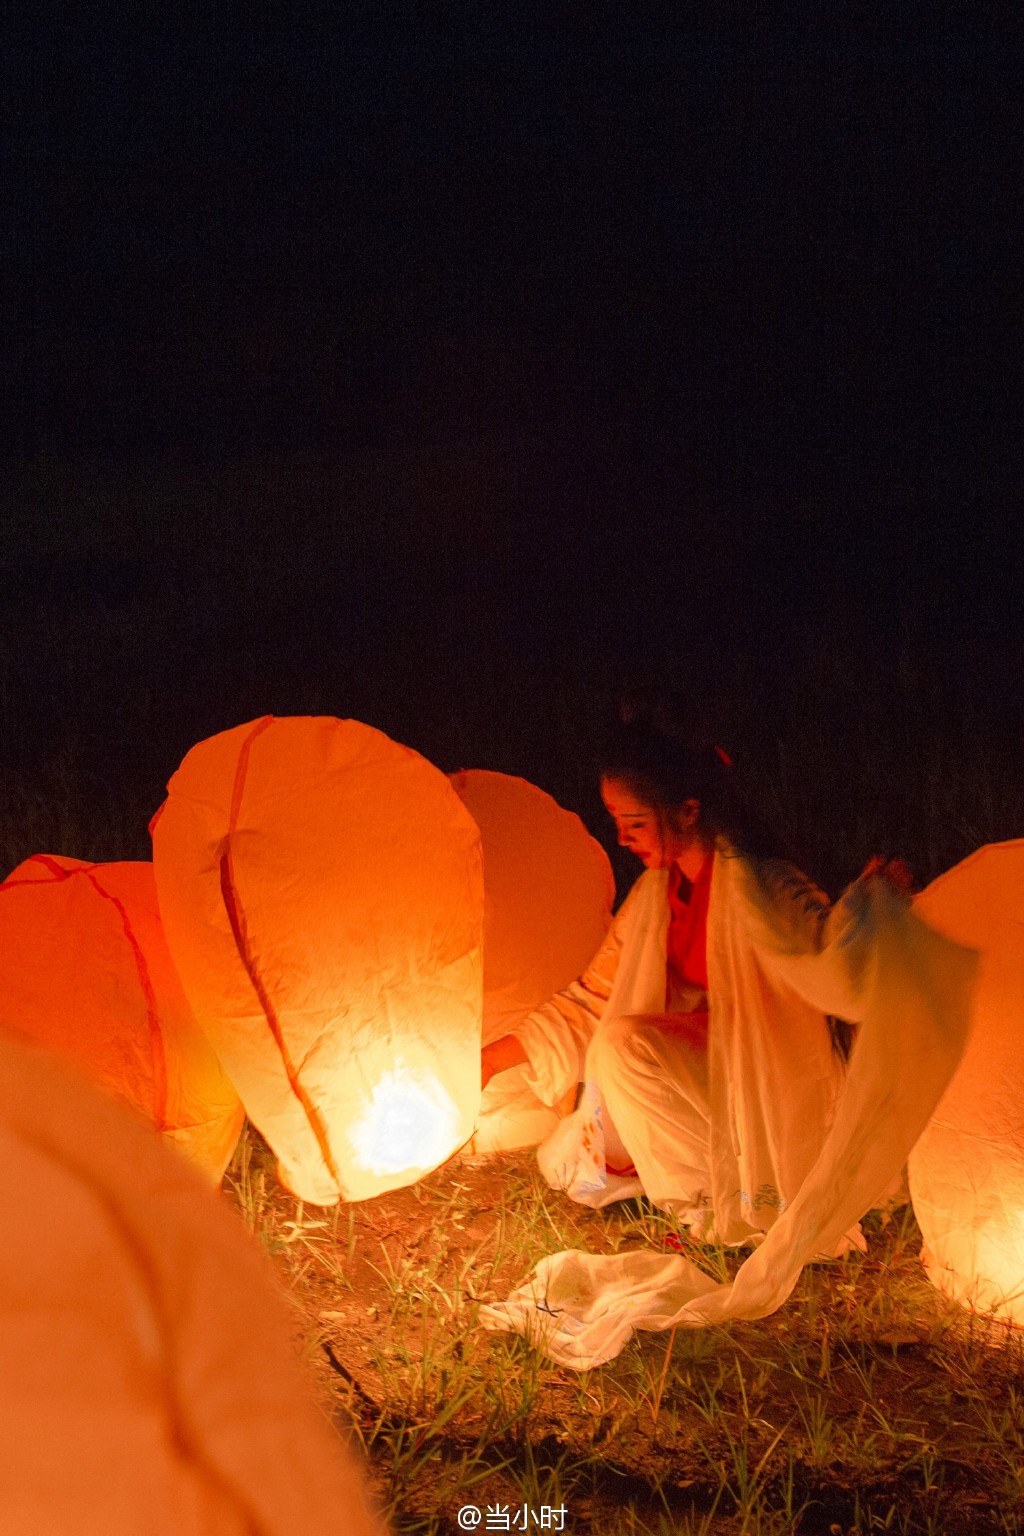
(786, 1155)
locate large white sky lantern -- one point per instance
(549, 891)
(967, 1170)
(322, 893)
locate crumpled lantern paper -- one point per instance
(967, 1170)
(548, 894)
(322, 893)
(85, 971)
(148, 1381)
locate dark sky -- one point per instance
(690, 324)
(783, 248)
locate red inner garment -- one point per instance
(688, 927)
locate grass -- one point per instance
(866, 1404)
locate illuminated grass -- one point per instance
(866, 1404)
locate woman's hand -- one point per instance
(499, 1056)
(894, 871)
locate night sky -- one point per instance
(421, 362)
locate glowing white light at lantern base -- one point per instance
(410, 1123)
(321, 888)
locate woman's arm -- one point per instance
(553, 1039)
(819, 948)
(499, 1056)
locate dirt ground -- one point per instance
(855, 1408)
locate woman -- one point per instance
(701, 1029)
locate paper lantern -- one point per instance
(548, 893)
(322, 893)
(148, 1382)
(967, 1170)
(85, 971)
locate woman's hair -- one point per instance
(665, 764)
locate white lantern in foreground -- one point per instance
(967, 1170)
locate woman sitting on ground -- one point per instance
(702, 1028)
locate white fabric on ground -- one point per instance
(783, 1156)
(572, 1158)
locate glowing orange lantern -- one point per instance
(967, 1170)
(549, 890)
(148, 1382)
(85, 971)
(322, 893)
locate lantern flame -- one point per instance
(410, 1123)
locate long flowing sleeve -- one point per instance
(556, 1035)
(816, 947)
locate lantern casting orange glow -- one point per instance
(85, 971)
(322, 893)
(967, 1170)
(148, 1380)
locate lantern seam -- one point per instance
(56, 872)
(156, 1037)
(229, 894)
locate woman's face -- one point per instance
(657, 841)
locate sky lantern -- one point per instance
(967, 1170)
(322, 893)
(85, 971)
(548, 894)
(148, 1380)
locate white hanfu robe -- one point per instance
(793, 1149)
(765, 1099)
